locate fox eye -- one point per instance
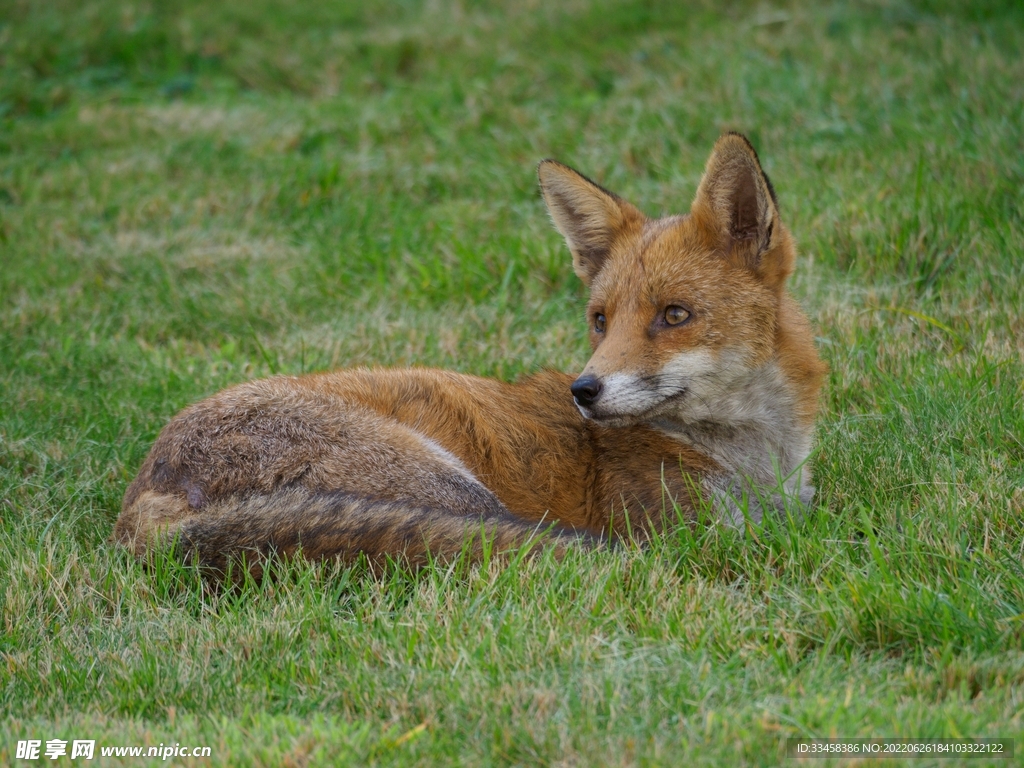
(676, 315)
(599, 322)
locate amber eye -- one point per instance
(676, 315)
(599, 323)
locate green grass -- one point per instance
(195, 194)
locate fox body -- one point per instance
(702, 389)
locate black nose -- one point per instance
(586, 390)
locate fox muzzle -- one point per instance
(585, 390)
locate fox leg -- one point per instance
(738, 498)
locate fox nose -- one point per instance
(586, 390)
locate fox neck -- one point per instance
(753, 432)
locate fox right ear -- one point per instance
(736, 202)
(588, 216)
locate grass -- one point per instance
(192, 195)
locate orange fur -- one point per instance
(704, 378)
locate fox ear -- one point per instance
(736, 200)
(588, 216)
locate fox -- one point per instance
(701, 394)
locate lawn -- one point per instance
(194, 194)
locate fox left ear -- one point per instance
(589, 217)
(736, 201)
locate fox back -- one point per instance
(702, 390)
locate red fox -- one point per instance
(702, 390)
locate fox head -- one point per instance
(685, 311)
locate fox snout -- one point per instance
(585, 390)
